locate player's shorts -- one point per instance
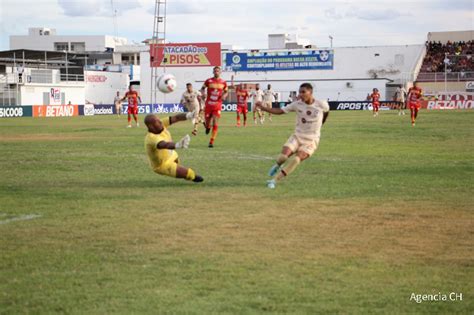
(306, 146)
(376, 104)
(169, 167)
(414, 105)
(212, 111)
(254, 109)
(267, 104)
(242, 109)
(132, 110)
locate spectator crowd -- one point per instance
(459, 55)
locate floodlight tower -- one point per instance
(159, 37)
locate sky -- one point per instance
(244, 23)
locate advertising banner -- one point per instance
(453, 100)
(55, 96)
(362, 105)
(185, 55)
(104, 109)
(276, 61)
(15, 111)
(55, 111)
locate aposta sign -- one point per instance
(55, 111)
(185, 55)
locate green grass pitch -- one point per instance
(381, 211)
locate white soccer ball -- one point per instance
(166, 83)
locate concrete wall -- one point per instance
(102, 86)
(32, 94)
(456, 36)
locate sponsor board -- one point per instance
(15, 111)
(185, 55)
(277, 61)
(55, 111)
(449, 104)
(88, 110)
(362, 105)
(104, 110)
(470, 86)
(55, 96)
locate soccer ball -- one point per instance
(166, 83)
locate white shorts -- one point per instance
(306, 146)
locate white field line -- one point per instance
(235, 155)
(21, 218)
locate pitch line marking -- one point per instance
(20, 218)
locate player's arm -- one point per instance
(275, 111)
(325, 116)
(203, 89)
(226, 93)
(139, 98)
(123, 98)
(181, 144)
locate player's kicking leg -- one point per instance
(292, 154)
(173, 169)
(215, 127)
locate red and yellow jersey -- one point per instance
(215, 90)
(132, 98)
(242, 97)
(414, 94)
(375, 97)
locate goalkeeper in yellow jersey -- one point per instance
(160, 147)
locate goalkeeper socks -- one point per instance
(290, 167)
(190, 175)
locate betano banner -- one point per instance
(277, 61)
(185, 55)
(55, 110)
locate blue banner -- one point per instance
(276, 61)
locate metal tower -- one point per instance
(159, 37)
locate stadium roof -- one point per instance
(39, 57)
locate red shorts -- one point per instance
(132, 110)
(414, 105)
(376, 104)
(242, 109)
(210, 111)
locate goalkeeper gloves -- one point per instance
(183, 143)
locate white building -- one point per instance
(42, 38)
(287, 41)
(356, 71)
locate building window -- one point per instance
(61, 46)
(78, 47)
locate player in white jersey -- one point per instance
(118, 103)
(191, 99)
(400, 94)
(257, 97)
(269, 96)
(310, 116)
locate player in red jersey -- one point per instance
(133, 99)
(375, 98)
(216, 93)
(413, 99)
(242, 99)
